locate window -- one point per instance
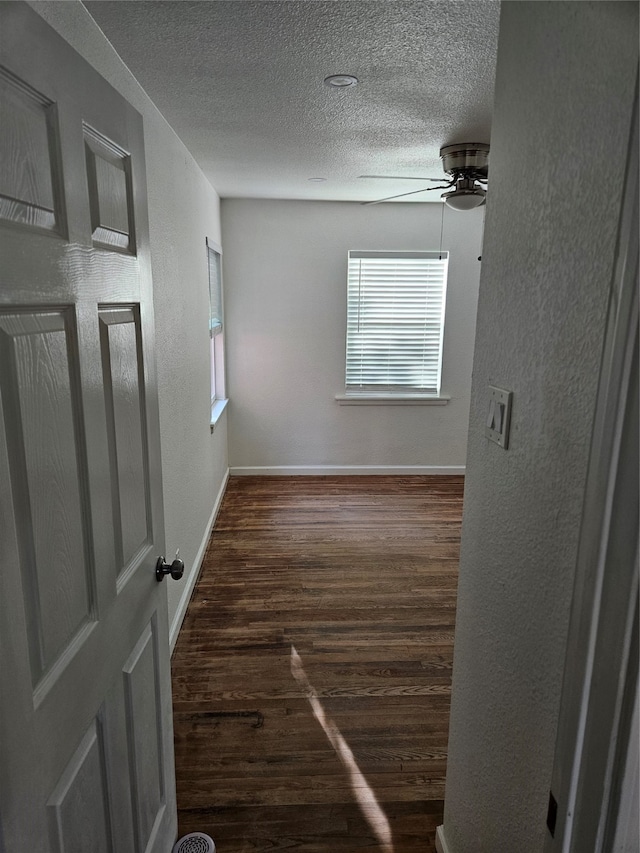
(216, 328)
(395, 323)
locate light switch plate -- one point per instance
(499, 417)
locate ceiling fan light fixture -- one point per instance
(464, 199)
(340, 81)
(466, 166)
(466, 157)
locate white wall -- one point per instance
(564, 92)
(183, 210)
(285, 273)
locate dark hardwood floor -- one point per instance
(311, 678)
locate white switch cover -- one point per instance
(497, 427)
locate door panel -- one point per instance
(110, 193)
(79, 812)
(141, 676)
(28, 140)
(41, 411)
(123, 377)
(85, 705)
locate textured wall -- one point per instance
(285, 268)
(183, 210)
(564, 90)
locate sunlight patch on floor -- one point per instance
(362, 791)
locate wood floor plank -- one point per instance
(355, 579)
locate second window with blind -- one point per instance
(395, 323)
(216, 330)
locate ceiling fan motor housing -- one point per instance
(470, 159)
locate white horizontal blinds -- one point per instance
(395, 319)
(215, 291)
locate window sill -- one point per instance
(216, 412)
(390, 400)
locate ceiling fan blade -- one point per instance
(398, 178)
(402, 195)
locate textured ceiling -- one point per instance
(242, 84)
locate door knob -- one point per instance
(175, 569)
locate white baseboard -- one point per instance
(441, 841)
(194, 573)
(333, 470)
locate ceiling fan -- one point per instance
(466, 164)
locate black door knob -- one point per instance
(175, 569)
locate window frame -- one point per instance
(398, 393)
(217, 384)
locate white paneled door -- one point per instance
(86, 763)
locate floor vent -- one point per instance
(194, 842)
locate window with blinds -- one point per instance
(215, 290)
(214, 260)
(395, 322)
